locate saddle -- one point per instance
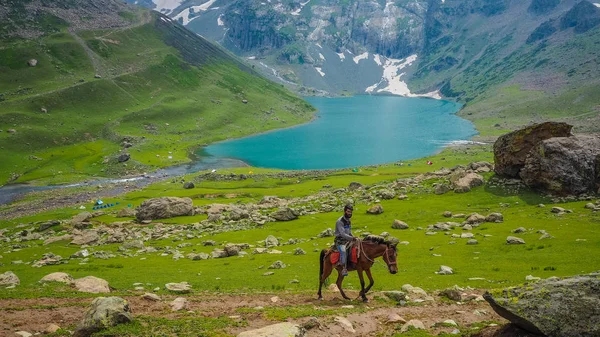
(334, 256)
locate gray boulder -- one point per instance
(80, 218)
(188, 185)
(513, 240)
(564, 165)
(104, 312)
(180, 288)
(284, 214)
(8, 279)
(398, 224)
(92, 284)
(552, 307)
(511, 149)
(377, 209)
(164, 208)
(271, 241)
(124, 157)
(466, 183)
(58, 277)
(126, 213)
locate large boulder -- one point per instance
(58, 277)
(564, 165)
(104, 312)
(511, 149)
(163, 208)
(553, 307)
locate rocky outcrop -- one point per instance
(565, 165)
(511, 149)
(104, 312)
(164, 208)
(8, 279)
(553, 307)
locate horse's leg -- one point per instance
(371, 282)
(326, 268)
(339, 281)
(362, 284)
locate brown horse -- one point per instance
(371, 248)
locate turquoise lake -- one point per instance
(354, 131)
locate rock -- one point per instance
(180, 288)
(188, 185)
(326, 233)
(66, 237)
(386, 194)
(557, 210)
(312, 323)
(51, 328)
(564, 166)
(354, 186)
(414, 324)
(472, 242)
(299, 251)
(397, 224)
(552, 307)
(245, 101)
(271, 241)
(519, 230)
(395, 295)
(219, 254)
(78, 219)
(85, 238)
(512, 240)
(48, 224)
(345, 324)
(126, 213)
(469, 181)
(452, 293)
(32, 62)
(475, 218)
(494, 217)
(164, 208)
(276, 330)
(135, 244)
(277, 265)
(23, 334)
(511, 150)
(395, 318)
(445, 270)
(377, 209)
(58, 277)
(104, 312)
(124, 157)
(447, 214)
(151, 297)
(179, 304)
(9, 279)
(442, 189)
(199, 256)
(11, 131)
(232, 250)
(80, 254)
(92, 284)
(284, 214)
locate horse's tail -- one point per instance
(321, 263)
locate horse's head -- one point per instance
(390, 258)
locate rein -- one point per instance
(387, 254)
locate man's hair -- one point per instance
(348, 207)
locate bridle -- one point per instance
(387, 255)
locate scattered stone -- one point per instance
(92, 284)
(189, 185)
(271, 241)
(397, 224)
(51, 328)
(299, 251)
(495, 217)
(180, 288)
(179, 304)
(23, 334)
(326, 233)
(394, 295)
(9, 279)
(104, 312)
(345, 324)
(447, 214)
(475, 218)
(32, 62)
(377, 209)
(519, 230)
(151, 297)
(445, 270)
(164, 208)
(126, 213)
(414, 324)
(395, 318)
(513, 240)
(276, 330)
(124, 157)
(284, 214)
(58, 277)
(354, 186)
(472, 242)
(557, 210)
(277, 265)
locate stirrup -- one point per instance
(345, 272)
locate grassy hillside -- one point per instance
(150, 83)
(519, 64)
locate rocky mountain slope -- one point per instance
(476, 51)
(104, 88)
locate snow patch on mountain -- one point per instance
(297, 11)
(377, 59)
(318, 69)
(362, 56)
(185, 14)
(167, 6)
(596, 4)
(342, 56)
(321, 57)
(220, 21)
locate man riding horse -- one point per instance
(344, 237)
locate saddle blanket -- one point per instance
(335, 256)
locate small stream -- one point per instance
(9, 193)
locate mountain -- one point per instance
(104, 88)
(502, 58)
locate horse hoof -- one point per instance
(365, 300)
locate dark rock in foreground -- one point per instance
(565, 165)
(103, 313)
(553, 307)
(511, 149)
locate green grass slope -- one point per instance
(151, 83)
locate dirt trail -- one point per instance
(16, 314)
